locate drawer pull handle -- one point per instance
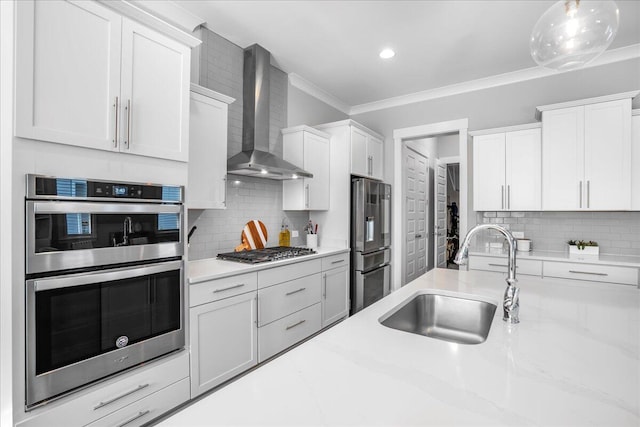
(105, 403)
(295, 292)
(228, 288)
(500, 265)
(296, 324)
(130, 420)
(337, 262)
(588, 272)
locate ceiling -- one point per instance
(334, 45)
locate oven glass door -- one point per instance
(74, 321)
(67, 235)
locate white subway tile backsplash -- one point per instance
(617, 233)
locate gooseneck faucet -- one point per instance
(511, 302)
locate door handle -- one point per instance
(580, 194)
(115, 135)
(127, 141)
(588, 194)
(418, 236)
(502, 193)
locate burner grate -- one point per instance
(265, 255)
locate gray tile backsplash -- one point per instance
(247, 198)
(617, 233)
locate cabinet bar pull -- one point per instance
(295, 324)
(307, 197)
(295, 292)
(324, 292)
(228, 288)
(588, 272)
(115, 135)
(502, 193)
(508, 197)
(580, 194)
(105, 403)
(130, 420)
(499, 265)
(224, 180)
(588, 193)
(127, 142)
(337, 262)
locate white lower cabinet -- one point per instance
(523, 266)
(592, 272)
(335, 289)
(224, 339)
(145, 410)
(127, 394)
(282, 334)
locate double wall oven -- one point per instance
(104, 280)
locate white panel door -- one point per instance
(523, 170)
(441, 216)
(359, 161)
(415, 214)
(155, 93)
(224, 340)
(488, 172)
(316, 161)
(67, 72)
(375, 150)
(563, 159)
(207, 153)
(635, 161)
(607, 155)
(335, 295)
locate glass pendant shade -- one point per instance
(572, 33)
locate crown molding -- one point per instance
(306, 86)
(171, 12)
(608, 57)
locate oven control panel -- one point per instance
(43, 187)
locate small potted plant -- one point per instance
(581, 247)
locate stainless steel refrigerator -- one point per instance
(370, 242)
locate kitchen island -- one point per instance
(573, 360)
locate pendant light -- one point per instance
(572, 33)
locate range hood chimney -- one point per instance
(255, 159)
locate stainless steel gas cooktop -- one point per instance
(265, 255)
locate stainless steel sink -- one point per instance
(448, 318)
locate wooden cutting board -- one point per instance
(254, 236)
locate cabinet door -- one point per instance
(488, 172)
(523, 170)
(335, 295)
(223, 341)
(67, 72)
(562, 159)
(374, 150)
(294, 191)
(207, 153)
(359, 161)
(155, 93)
(635, 160)
(607, 155)
(316, 161)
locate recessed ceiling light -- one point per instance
(387, 54)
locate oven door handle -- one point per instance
(103, 208)
(80, 279)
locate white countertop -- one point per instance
(620, 260)
(212, 268)
(573, 360)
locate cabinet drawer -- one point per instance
(277, 275)
(147, 409)
(91, 404)
(213, 290)
(283, 333)
(591, 272)
(335, 261)
(281, 300)
(531, 267)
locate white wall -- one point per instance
(304, 109)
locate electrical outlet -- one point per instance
(294, 233)
(518, 234)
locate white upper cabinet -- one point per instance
(366, 154)
(87, 76)
(308, 149)
(507, 170)
(207, 149)
(587, 157)
(635, 160)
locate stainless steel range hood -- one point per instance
(255, 158)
